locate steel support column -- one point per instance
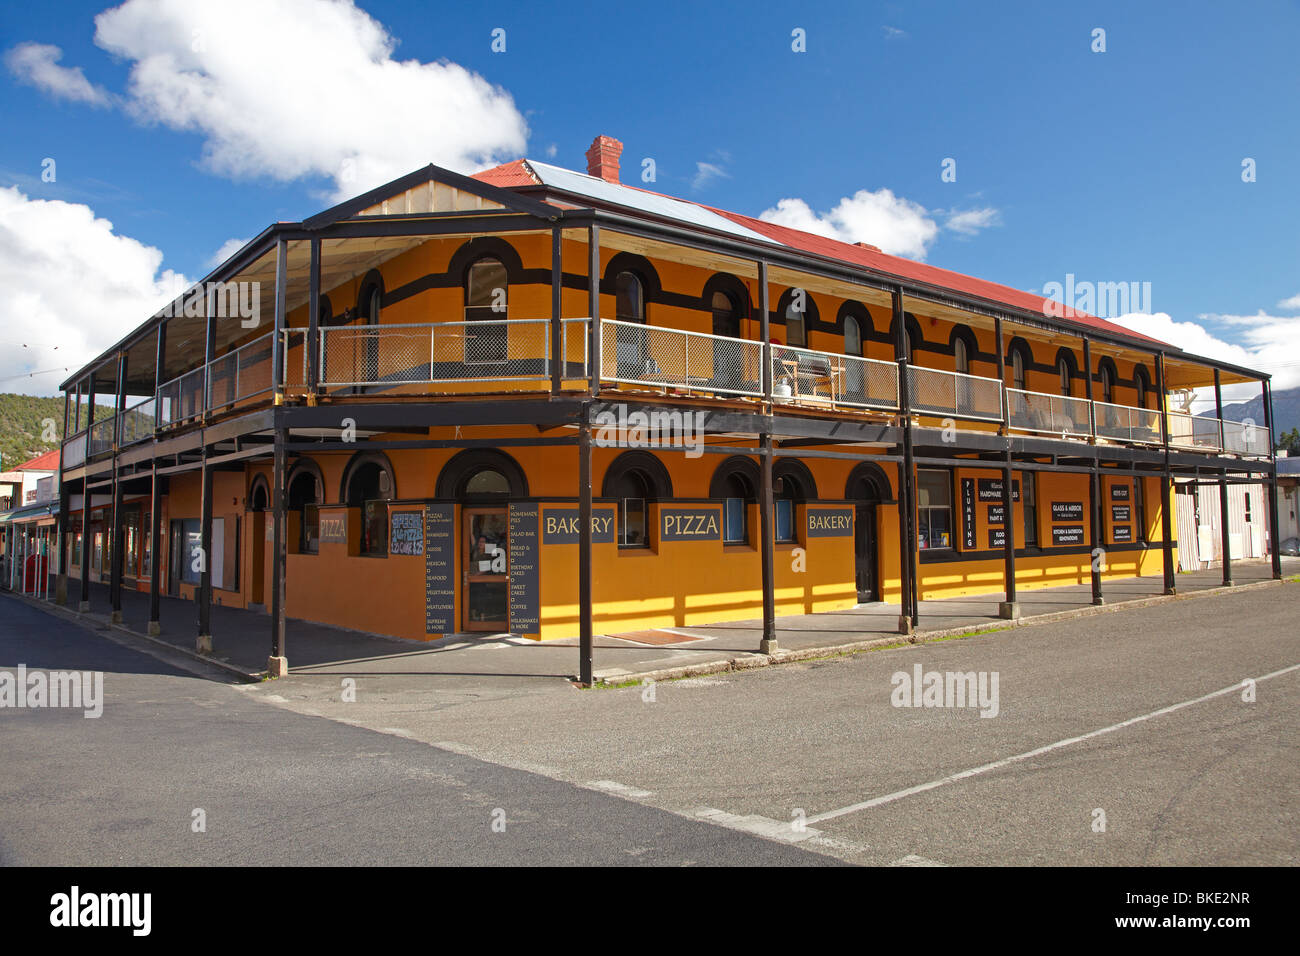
(312, 344)
(155, 551)
(278, 665)
(1274, 531)
(203, 596)
(767, 528)
(558, 352)
(1098, 549)
(586, 672)
(594, 352)
(1224, 514)
(908, 600)
(1010, 607)
(1166, 523)
(83, 601)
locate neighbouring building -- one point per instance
(546, 402)
(28, 518)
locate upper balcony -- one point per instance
(447, 359)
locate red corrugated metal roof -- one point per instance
(518, 173)
(49, 461)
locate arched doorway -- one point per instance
(259, 504)
(482, 482)
(867, 487)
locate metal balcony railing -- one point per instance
(1194, 431)
(181, 399)
(650, 355)
(1139, 426)
(1049, 414)
(935, 392)
(240, 374)
(138, 422)
(74, 450)
(1247, 438)
(805, 376)
(102, 433)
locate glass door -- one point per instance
(486, 585)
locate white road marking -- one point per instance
(622, 789)
(913, 860)
(780, 830)
(1037, 751)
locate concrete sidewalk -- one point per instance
(241, 639)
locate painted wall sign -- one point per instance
(1120, 513)
(406, 534)
(439, 569)
(830, 523)
(689, 524)
(968, 513)
(997, 537)
(1063, 534)
(560, 525)
(990, 489)
(525, 598)
(334, 527)
(996, 514)
(1067, 510)
(1121, 532)
(1119, 492)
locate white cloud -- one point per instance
(897, 225)
(706, 173)
(37, 64)
(893, 33)
(72, 286)
(1292, 304)
(285, 89)
(1263, 342)
(228, 249)
(970, 221)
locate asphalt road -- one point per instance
(278, 787)
(1119, 739)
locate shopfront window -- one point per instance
(934, 509)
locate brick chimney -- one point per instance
(602, 158)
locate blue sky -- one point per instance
(1123, 165)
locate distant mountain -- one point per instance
(21, 428)
(1286, 410)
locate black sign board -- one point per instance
(525, 598)
(997, 537)
(990, 489)
(1063, 534)
(1067, 510)
(560, 526)
(1121, 532)
(830, 523)
(439, 569)
(968, 513)
(689, 524)
(1119, 492)
(406, 535)
(996, 514)
(1120, 513)
(333, 527)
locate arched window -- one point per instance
(852, 336)
(1018, 379)
(487, 302)
(735, 483)
(368, 485)
(1063, 370)
(305, 500)
(961, 356)
(486, 481)
(632, 489)
(796, 329)
(1142, 382)
(1107, 384)
(633, 479)
(481, 474)
(629, 298)
(792, 483)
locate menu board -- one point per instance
(968, 513)
(1063, 534)
(406, 534)
(439, 569)
(1067, 510)
(990, 489)
(525, 603)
